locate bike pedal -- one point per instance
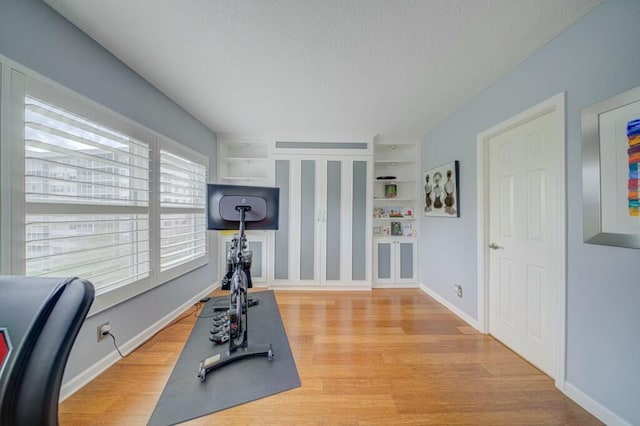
(219, 337)
(219, 328)
(220, 322)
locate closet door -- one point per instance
(345, 248)
(322, 240)
(282, 235)
(297, 242)
(329, 225)
(306, 211)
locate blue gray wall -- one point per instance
(34, 35)
(594, 59)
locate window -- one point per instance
(183, 232)
(87, 198)
(92, 194)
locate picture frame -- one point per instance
(390, 190)
(609, 162)
(396, 228)
(441, 191)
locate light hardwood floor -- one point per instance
(384, 357)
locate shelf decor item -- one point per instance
(611, 171)
(396, 228)
(407, 230)
(392, 212)
(441, 193)
(390, 190)
(407, 212)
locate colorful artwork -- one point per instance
(633, 135)
(610, 170)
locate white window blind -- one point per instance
(86, 198)
(183, 236)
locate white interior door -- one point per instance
(523, 234)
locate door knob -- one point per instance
(494, 246)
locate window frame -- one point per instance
(16, 82)
(166, 144)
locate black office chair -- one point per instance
(39, 321)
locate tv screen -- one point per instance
(222, 201)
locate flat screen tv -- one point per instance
(222, 201)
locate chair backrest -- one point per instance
(39, 321)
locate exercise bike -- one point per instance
(239, 347)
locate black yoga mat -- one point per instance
(185, 397)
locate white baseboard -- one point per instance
(332, 287)
(594, 407)
(74, 384)
(466, 318)
(598, 410)
(395, 285)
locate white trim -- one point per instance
(5, 170)
(316, 138)
(459, 312)
(594, 407)
(335, 286)
(86, 108)
(108, 297)
(395, 285)
(16, 181)
(74, 384)
(156, 210)
(555, 104)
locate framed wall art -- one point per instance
(610, 168)
(396, 228)
(441, 193)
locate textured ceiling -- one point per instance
(329, 68)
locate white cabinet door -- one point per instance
(394, 262)
(257, 243)
(324, 233)
(384, 260)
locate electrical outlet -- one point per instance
(458, 288)
(103, 330)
